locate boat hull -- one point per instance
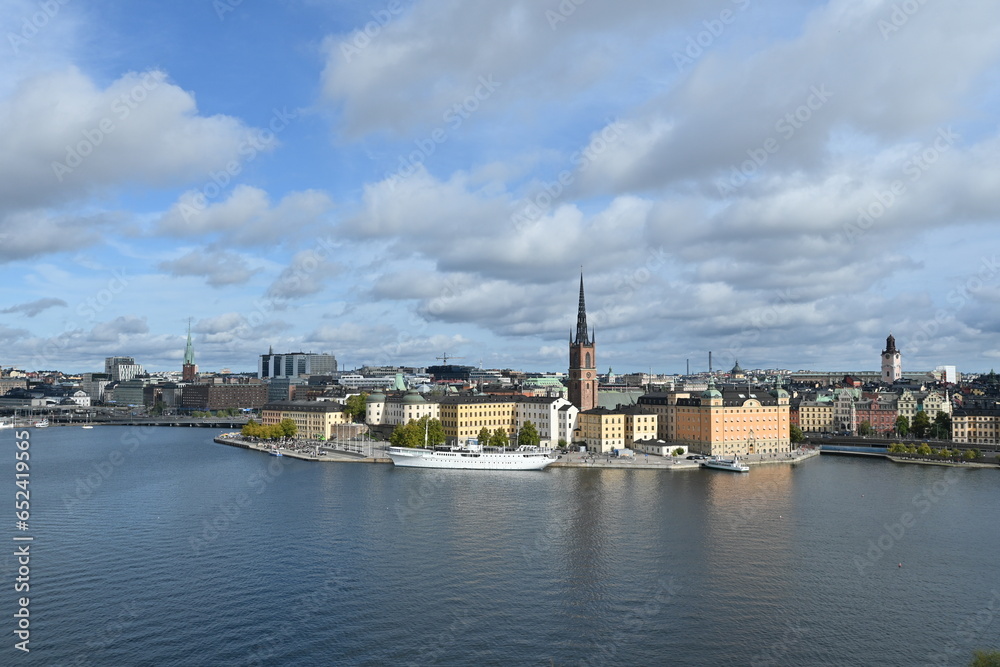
(465, 460)
(731, 466)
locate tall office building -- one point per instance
(295, 364)
(122, 369)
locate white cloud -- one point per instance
(246, 217)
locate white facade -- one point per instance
(81, 398)
(554, 418)
(362, 382)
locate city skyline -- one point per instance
(388, 182)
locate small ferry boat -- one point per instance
(6, 424)
(733, 464)
(276, 452)
(41, 424)
(522, 458)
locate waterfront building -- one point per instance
(464, 416)
(554, 418)
(295, 364)
(189, 371)
(933, 401)
(603, 430)
(94, 384)
(130, 392)
(664, 405)
(891, 366)
(879, 410)
(582, 381)
(977, 423)
(739, 421)
(816, 414)
(80, 398)
(316, 420)
(206, 396)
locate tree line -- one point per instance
(284, 429)
(418, 432)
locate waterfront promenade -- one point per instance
(374, 452)
(651, 462)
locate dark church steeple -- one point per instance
(582, 360)
(583, 335)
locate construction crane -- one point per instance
(444, 358)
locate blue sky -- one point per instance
(391, 181)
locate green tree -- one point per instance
(355, 407)
(678, 452)
(795, 433)
(499, 438)
(902, 425)
(288, 428)
(970, 454)
(942, 426)
(985, 659)
(250, 429)
(528, 436)
(407, 435)
(562, 442)
(484, 436)
(865, 428)
(924, 450)
(433, 429)
(897, 448)
(921, 424)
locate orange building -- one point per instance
(743, 421)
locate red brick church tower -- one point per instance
(582, 361)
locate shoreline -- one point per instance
(572, 460)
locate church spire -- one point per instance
(189, 350)
(582, 333)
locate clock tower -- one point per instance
(582, 361)
(891, 366)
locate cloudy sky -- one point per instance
(782, 183)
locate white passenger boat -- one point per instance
(522, 458)
(732, 464)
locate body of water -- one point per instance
(158, 547)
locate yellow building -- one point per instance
(316, 420)
(976, 425)
(664, 405)
(816, 416)
(603, 429)
(743, 421)
(464, 416)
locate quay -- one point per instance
(310, 451)
(327, 453)
(647, 462)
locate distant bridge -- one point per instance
(212, 422)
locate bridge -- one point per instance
(204, 422)
(848, 450)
